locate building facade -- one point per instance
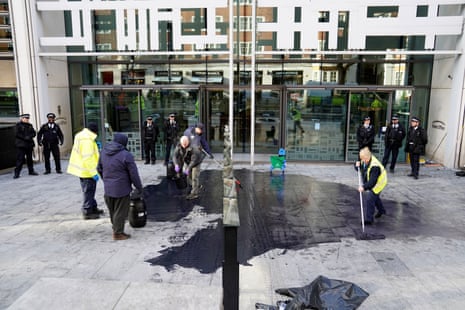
(314, 69)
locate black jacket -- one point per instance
(416, 141)
(51, 136)
(25, 134)
(394, 136)
(365, 136)
(171, 131)
(150, 132)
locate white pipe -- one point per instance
(252, 90)
(231, 76)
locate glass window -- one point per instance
(422, 10)
(382, 11)
(323, 17)
(9, 106)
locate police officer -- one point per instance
(171, 131)
(24, 142)
(415, 145)
(366, 134)
(49, 137)
(395, 134)
(150, 134)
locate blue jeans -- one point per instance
(88, 186)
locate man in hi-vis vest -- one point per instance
(83, 164)
(374, 179)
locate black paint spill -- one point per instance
(277, 211)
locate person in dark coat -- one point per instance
(171, 131)
(395, 134)
(118, 171)
(24, 142)
(366, 134)
(187, 160)
(200, 144)
(415, 145)
(49, 137)
(150, 133)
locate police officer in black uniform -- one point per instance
(150, 134)
(171, 130)
(366, 134)
(415, 145)
(24, 142)
(395, 134)
(49, 137)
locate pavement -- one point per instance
(294, 227)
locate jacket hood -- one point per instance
(117, 145)
(121, 139)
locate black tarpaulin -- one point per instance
(322, 293)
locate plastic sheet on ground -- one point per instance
(321, 293)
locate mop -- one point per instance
(364, 235)
(238, 183)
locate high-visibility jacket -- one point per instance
(382, 178)
(84, 155)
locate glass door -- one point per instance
(374, 104)
(316, 124)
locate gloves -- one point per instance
(186, 172)
(176, 168)
(211, 156)
(95, 177)
(137, 194)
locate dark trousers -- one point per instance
(149, 148)
(88, 186)
(387, 152)
(24, 155)
(415, 163)
(372, 201)
(118, 208)
(169, 145)
(297, 124)
(52, 148)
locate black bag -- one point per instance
(137, 213)
(181, 181)
(170, 173)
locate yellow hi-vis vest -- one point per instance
(84, 155)
(382, 179)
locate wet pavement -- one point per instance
(294, 227)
